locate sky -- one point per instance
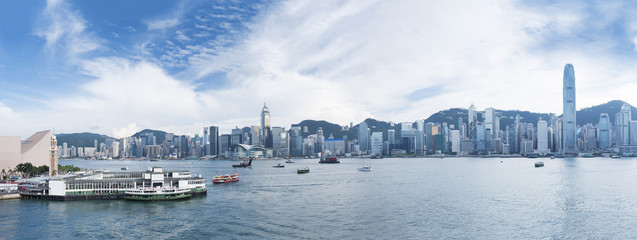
(116, 67)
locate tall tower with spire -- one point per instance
(569, 124)
(266, 139)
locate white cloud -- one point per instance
(343, 61)
(346, 61)
(126, 131)
(64, 28)
(6, 112)
(162, 24)
(181, 36)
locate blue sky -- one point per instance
(116, 67)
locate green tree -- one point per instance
(25, 169)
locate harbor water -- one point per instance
(423, 198)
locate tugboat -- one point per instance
(157, 194)
(329, 160)
(303, 170)
(245, 163)
(539, 164)
(278, 166)
(225, 178)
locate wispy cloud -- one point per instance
(162, 24)
(493, 53)
(64, 29)
(344, 61)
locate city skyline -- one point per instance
(100, 67)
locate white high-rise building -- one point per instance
(377, 143)
(115, 149)
(622, 124)
(455, 141)
(542, 137)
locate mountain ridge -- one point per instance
(450, 116)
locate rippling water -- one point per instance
(401, 198)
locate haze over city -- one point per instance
(117, 67)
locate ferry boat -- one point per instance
(104, 185)
(157, 194)
(303, 170)
(278, 166)
(225, 178)
(329, 160)
(365, 168)
(539, 164)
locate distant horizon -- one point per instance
(191, 134)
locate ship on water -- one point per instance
(104, 185)
(329, 160)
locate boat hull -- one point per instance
(158, 197)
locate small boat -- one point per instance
(365, 168)
(288, 161)
(303, 170)
(539, 164)
(157, 194)
(615, 156)
(154, 160)
(226, 178)
(278, 166)
(125, 168)
(376, 157)
(329, 160)
(245, 163)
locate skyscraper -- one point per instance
(429, 137)
(570, 123)
(363, 136)
(604, 131)
(213, 142)
(377, 143)
(266, 139)
(622, 124)
(542, 137)
(206, 139)
(472, 120)
(489, 128)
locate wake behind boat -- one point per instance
(365, 168)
